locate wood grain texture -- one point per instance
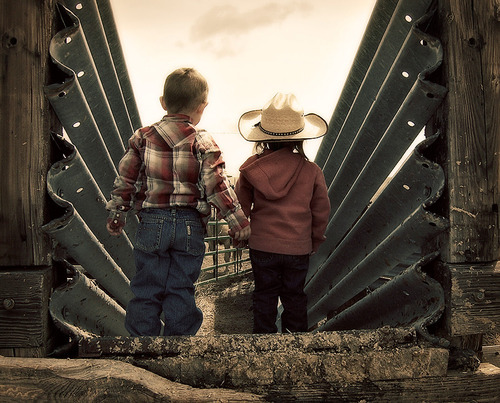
(24, 306)
(471, 39)
(26, 121)
(475, 299)
(25, 379)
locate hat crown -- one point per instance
(282, 114)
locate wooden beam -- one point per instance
(469, 150)
(24, 310)
(475, 299)
(472, 299)
(23, 379)
(260, 361)
(30, 379)
(27, 27)
(468, 121)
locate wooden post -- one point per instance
(469, 122)
(26, 122)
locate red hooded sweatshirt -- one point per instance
(287, 201)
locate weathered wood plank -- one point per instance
(24, 308)
(475, 299)
(488, 13)
(468, 121)
(491, 355)
(85, 380)
(31, 379)
(480, 386)
(472, 299)
(27, 120)
(247, 361)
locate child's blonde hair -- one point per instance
(185, 89)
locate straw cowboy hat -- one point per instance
(281, 119)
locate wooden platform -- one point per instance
(97, 379)
(80, 380)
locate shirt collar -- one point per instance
(177, 116)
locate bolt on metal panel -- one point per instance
(410, 299)
(378, 153)
(88, 16)
(80, 307)
(71, 180)
(355, 195)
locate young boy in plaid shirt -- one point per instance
(170, 174)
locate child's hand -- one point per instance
(243, 235)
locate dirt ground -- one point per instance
(226, 303)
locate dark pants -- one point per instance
(279, 276)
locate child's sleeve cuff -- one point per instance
(117, 218)
(237, 220)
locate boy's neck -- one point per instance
(181, 115)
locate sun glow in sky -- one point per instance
(248, 51)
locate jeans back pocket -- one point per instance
(148, 238)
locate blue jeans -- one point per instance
(169, 252)
(277, 275)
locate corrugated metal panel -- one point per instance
(70, 181)
(96, 107)
(380, 226)
(84, 309)
(411, 299)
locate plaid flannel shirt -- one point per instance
(171, 163)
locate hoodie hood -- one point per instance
(273, 173)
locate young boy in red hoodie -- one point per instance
(286, 198)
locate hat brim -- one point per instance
(315, 127)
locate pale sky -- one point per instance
(247, 51)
